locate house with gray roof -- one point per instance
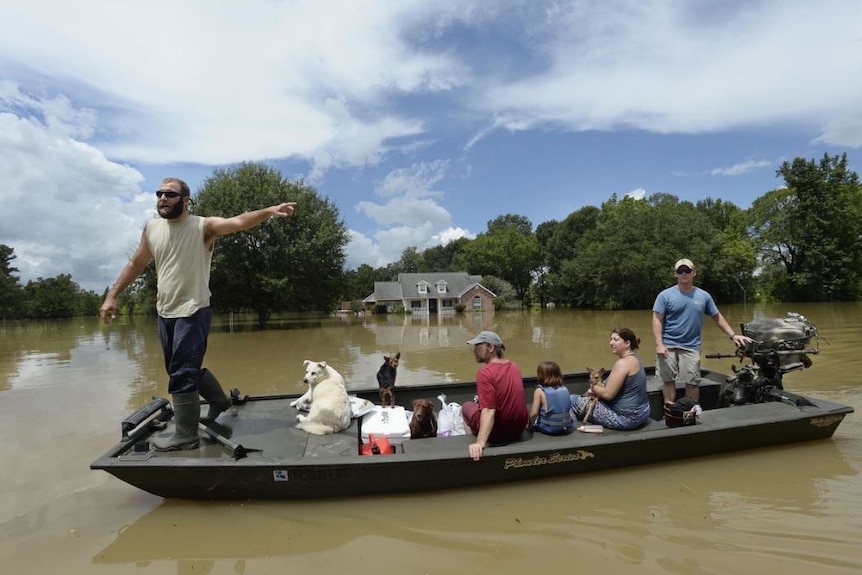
(432, 293)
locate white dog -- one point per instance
(326, 400)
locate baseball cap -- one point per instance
(487, 337)
(683, 262)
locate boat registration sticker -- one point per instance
(279, 475)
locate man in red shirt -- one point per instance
(500, 415)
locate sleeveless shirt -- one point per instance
(182, 265)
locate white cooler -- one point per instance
(388, 422)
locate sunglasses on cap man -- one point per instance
(683, 270)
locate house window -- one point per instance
(477, 302)
(441, 287)
(415, 304)
(423, 288)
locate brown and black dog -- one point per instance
(386, 379)
(424, 422)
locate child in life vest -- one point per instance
(551, 409)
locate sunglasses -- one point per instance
(682, 271)
(167, 194)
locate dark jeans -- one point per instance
(184, 343)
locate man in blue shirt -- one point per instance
(677, 322)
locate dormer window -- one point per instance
(441, 286)
(423, 287)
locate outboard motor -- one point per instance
(780, 345)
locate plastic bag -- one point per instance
(445, 419)
(449, 420)
(460, 428)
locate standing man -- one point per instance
(501, 412)
(182, 246)
(677, 322)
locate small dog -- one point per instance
(326, 400)
(595, 379)
(386, 379)
(596, 376)
(424, 422)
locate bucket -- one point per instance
(676, 418)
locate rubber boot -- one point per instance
(211, 390)
(187, 414)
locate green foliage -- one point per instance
(558, 240)
(11, 296)
(52, 298)
(358, 284)
(508, 250)
(628, 257)
(513, 222)
(380, 309)
(506, 296)
(411, 261)
(826, 228)
(810, 233)
(443, 258)
(285, 264)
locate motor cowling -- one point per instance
(779, 345)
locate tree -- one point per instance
(505, 295)
(52, 298)
(520, 224)
(291, 264)
(10, 288)
(628, 257)
(810, 232)
(359, 283)
(733, 256)
(823, 229)
(559, 245)
(443, 258)
(508, 250)
(411, 261)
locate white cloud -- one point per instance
(451, 234)
(194, 83)
(93, 97)
(414, 181)
(411, 215)
(741, 168)
(636, 194)
(663, 67)
(66, 208)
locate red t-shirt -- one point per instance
(501, 387)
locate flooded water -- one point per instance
(65, 387)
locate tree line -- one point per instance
(799, 242)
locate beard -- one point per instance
(169, 212)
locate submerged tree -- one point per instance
(508, 250)
(290, 264)
(811, 231)
(10, 288)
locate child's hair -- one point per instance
(549, 374)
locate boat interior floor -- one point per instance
(264, 426)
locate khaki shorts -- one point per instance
(680, 366)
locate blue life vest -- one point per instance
(557, 418)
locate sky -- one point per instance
(420, 121)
